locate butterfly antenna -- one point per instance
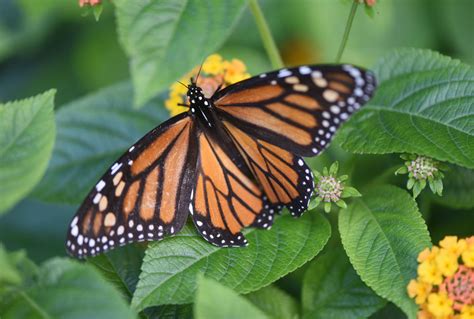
(183, 84)
(199, 72)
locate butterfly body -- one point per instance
(200, 106)
(231, 161)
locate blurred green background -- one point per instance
(49, 44)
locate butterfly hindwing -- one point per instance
(285, 178)
(297, 109)
(143, 196)
(225, 198)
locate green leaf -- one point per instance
(334, 168)
(349, 191)
(165, 39)
(332, 289)
(214, 300)
(341, 203)
(170, 267)
(27, 133)
(66, 289)
(382, 233)
(170, 312)
(121, 267)
(92, 133)
(274, 302)
(402, 170)
(458, 190)
(424, 105)
(417, 188)
(327, 207)
(8, 262)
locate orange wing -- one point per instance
(285, 178)
(225, 198)
(144, 196)
(297, 109)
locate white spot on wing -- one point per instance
(283, 73)
(100, 185)
(304, 70)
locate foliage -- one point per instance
(27, 132)
(360, 260)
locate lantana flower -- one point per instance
(215, 72)
(331, 189)
(444, 287)
(421, 171)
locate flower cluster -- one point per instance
(331, 189)
(215, 72)
(445, 284)
(420, 170)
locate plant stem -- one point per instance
(350, 19)
(265, 34)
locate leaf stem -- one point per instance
(350, 19)
(266, 35)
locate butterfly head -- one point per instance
(195, 94)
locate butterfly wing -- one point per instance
(297, 109)
(144, 196)
(225, 197)
(284, 177)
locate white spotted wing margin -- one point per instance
(144, 196)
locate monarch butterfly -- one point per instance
(231, 161)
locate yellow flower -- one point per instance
(468, 255)
(235, 71)
(428, 254)
(467, 312)
(440, 305)
(430, 273)
(420, 290)
(213, 64)
(172, 105)
(424, 314)
(452, 244)
(447, 262)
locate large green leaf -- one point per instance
(458, 189)
(214, 300)
(332, 289)
(274, 302)
(170, 267)
(424, 105)
(66, 289)
(26, 140)
(167, 38)
(92, 133)
(382, 233)
(121, 266)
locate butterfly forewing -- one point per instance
(297, 109)
(145, 195)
